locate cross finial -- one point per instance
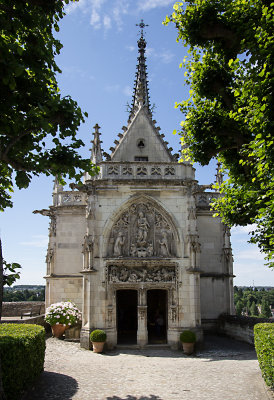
(142, 25)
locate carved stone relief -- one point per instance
(71, 198)
(141, 171)
(169, 171)
(156, 171)
(141, 274)
(142, 311)
(52, 225)
(192, 213)
(87, 250)
(109, 315)
(141, 232)
(228, 254)
(113, 170)
(195, 249)
(90, 210)
(127, 171)
(50, 260)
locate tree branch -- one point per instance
(12, 143)
(220, 31)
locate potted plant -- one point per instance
(62, 316)
(98, 338)
(188, 339)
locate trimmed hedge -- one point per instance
(22, 348)
(264, 345)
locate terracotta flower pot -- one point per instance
(58, 330)
(188, 348)
(98, 347)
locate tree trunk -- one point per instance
(1, 278)
(2, 394)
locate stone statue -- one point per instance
(164, 252)
(118, 245)
(133, 250)
(150, 250)
(143, 226)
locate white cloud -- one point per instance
(38, 241)
(150, 51)
(146, 5)
(128, 91)
(101, 17)
(103, 13)
(72, 71)
(166, 56)
(249, 254)
(95, 19)
(73, 6)
(107, 22)
(131, 48)
(112, 88)
(121, 8)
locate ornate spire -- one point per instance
(219, 175)
(96, 151)
(140, 95)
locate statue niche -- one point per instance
(142, 232)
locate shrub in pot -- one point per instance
(98, 338)
(188, 339)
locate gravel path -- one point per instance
(224, 369)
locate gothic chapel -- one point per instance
(136, 247)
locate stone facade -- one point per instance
(136, 247)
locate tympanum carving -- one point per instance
(142, 231)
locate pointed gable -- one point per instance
(141, 142)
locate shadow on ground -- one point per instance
(214, 348)
(51, 385)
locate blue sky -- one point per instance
(98, 63)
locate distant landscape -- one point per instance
(250, 301)
(24, 293)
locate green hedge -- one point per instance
(264, 345)
(22, 348)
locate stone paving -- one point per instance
(224, 369)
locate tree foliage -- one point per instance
(38, 127)
(229, 114)
(248, 300)
(17, 294)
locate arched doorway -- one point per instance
(157, 316)
(127, 324)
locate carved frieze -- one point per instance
(142, 231)
(113, 170)
(71, 198)
(141, 171)
(127, 171)
(124, 274)
(156, 171)
(169, 171)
